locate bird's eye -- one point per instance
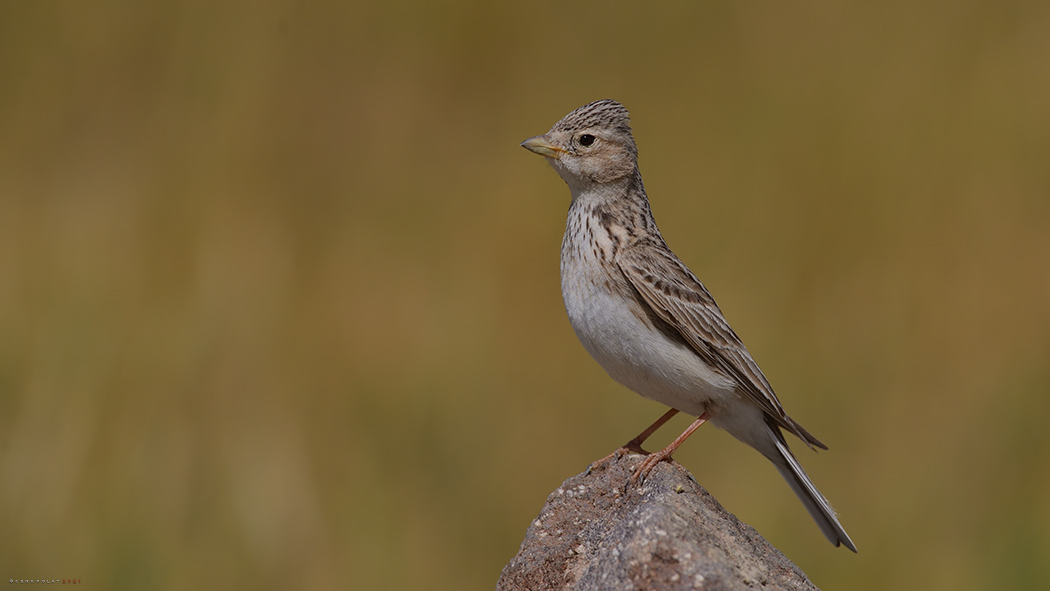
(586, 139)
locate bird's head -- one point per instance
(592, 145)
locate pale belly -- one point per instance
(633, 352)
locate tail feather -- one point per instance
(807, 492)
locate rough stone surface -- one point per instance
(668, 533)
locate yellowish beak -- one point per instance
(542, 145)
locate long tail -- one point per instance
(807, 492)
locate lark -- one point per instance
(643, 315)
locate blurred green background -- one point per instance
(279, 290)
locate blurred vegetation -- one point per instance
(279, 295)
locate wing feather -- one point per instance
(681, 300)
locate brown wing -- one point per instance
(679, 299)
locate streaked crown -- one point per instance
(603, 114)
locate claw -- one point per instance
(616, 455)
(647, 465)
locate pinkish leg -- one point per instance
(636, 443)
(653, 459)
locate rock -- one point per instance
(668, 533)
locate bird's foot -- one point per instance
(650, 462)
(632, 446)
(642, 471)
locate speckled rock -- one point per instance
(669, 533)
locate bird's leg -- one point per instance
(653, 459)
(636, 443)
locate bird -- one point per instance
(646, 318)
